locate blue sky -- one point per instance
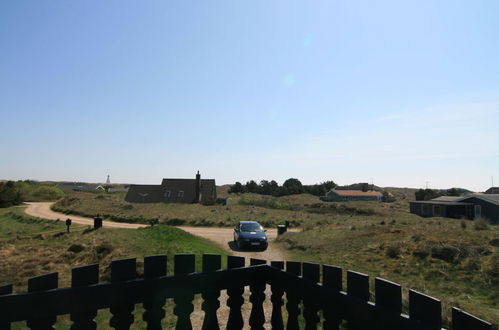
(399, 92)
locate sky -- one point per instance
(399, 93)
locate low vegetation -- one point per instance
(438, 256)
(298, 209)
(31, 247)
(14, 193)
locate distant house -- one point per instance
(77, 186)
(471, 207)
(339, 195)
(174, 191)
(492, 190)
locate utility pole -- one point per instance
(427, 184)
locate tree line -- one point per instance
(427, 194)
(289, 187)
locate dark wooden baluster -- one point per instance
(332, 279)
(310, 304)
(154, 267)
(184, 264)
(426, 309)
(122, 270)
(293, 297)
(211, 262)
(358, 287)
(81, 277)
(43, 283)
(257, 297)
(276, 299)
(5, 289)
(235, 300)
(389, 297)
(464, 321)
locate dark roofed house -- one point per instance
(473, 206)
(174, 191)
(492, 190)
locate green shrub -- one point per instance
(9, 194)
(392, 251)
(47, 193)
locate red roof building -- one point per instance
(336, 195)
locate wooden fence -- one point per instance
(311, 294)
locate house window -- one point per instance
(168, 193)
(180, 194)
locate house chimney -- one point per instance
(197, 188)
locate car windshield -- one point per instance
(251, 227)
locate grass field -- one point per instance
(300, 210)
(31, 247)
(439, 257)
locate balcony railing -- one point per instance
(302, 295)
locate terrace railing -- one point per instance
(302, 295)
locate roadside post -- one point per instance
(97, 222)
(281, 229)
(68, 223)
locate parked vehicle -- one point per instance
(250, 234)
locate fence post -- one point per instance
(311, 306)
(81, 277)
(332, 279)
(235, 294)
(293, 297)
(463, 321)
(388, 296)
(42, 283)
(5, 289)
(211, 262)
(426, 309)
(121, 271)
(276, 299)
(154, 267)
(358, 287)
(184, 264)
(257, 297)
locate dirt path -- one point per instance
(220, 236)
(42, 210)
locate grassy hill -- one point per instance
(31, 247)
(446, 258)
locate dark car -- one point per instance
(250, 234)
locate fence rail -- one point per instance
(306, 291)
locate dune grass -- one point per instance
(30, 247)
(299, 210)
(438, 256)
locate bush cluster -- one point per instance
(289, 187)
(10, 194)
